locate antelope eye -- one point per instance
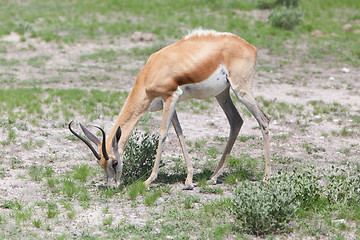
(114, 164)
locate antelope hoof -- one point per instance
(188, 187)
(213, 182)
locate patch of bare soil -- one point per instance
(64, 67)
(293, 83)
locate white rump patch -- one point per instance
(203, 32)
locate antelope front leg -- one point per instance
(169, 108)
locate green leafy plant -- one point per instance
(151, 198)
(81, 172)
(9, 204)
(285, 17)
(10, 139)
(36, 173)
(306, 185)
(135, 189)
(109, 192)
(211, 190)
(265, 4)
(189, 200)
(288, 3)
(2, 220)
(268, 4)
(107, 221)
(69, 188)
(84, 197)
(343, 188)
(52, 210)
(23, 214)
(71, 215)
(139, 156)
(241, 168)
(264, 207)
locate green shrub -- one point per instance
(139, 156)
(267, 207)
(52, 210)
(288, 3)
(69, 188)
(268, 4)
(343, 188)
(285, 17)
(263, 208)
(81, 172)
(36, 173)
(151, 198)
(211, 190)
(306, 185)
(135, 189)
(265, 4)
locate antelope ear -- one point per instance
(90, 136)
(116, 139)
(118, 134)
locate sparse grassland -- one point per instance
(77, 60)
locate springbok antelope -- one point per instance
(201, 65)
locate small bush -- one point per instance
(52, 210)
(211, 190)
(108, 221)
(151, 198)
(36, 173)
(343, 188)
(306, 185)
(285, 17)
(263, 208)
(135, 189)
(81, 172)
(69, 188)
(265, 4)
(139, 156)
(190, 200)
(2, 219)
(109, 192)
(269, 4)
(288, 3)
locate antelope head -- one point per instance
(111, 163)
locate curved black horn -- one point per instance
(103, 147)
(97, 155)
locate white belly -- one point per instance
(208, 88)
